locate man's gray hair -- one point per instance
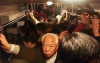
(51, 34)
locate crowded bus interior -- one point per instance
(49, 31)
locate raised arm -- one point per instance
(60, 17)
(4, 44)
(95, 25)
(10, 48)
(34, 20)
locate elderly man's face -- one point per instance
(49, 46)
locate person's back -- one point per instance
(29, 55)
(16, 60)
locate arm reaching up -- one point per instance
(62, 13)
(4, 44)
(95, 25)
(34, 20)
(10, 48)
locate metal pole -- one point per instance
(31, 7)
(34, 6)
(72, 7)
(61, 6)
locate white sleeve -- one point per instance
(14, 49)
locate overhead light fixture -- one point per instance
(49, 2)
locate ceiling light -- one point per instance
(49, 2)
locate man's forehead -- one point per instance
(49, 37)
(49, 40)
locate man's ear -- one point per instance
(57, 47)
(57, 35)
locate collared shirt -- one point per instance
(52, 59)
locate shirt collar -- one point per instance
(52, 59)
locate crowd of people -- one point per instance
(48, 39)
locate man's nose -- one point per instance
(47, 49)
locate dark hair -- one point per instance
(39, 18)
(24, 29)
(12, 38)
(78, 48)
(42, 27)
(96, 15)
(59, 28)
(30, 37)
(52, 19)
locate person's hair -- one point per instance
(11, 38)
(52, 19)
(24, 29)
(30, 37)
(42, 27)
(39, 18)
(96, 15)
(51, 34)
(78, 48)
(58, 28)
